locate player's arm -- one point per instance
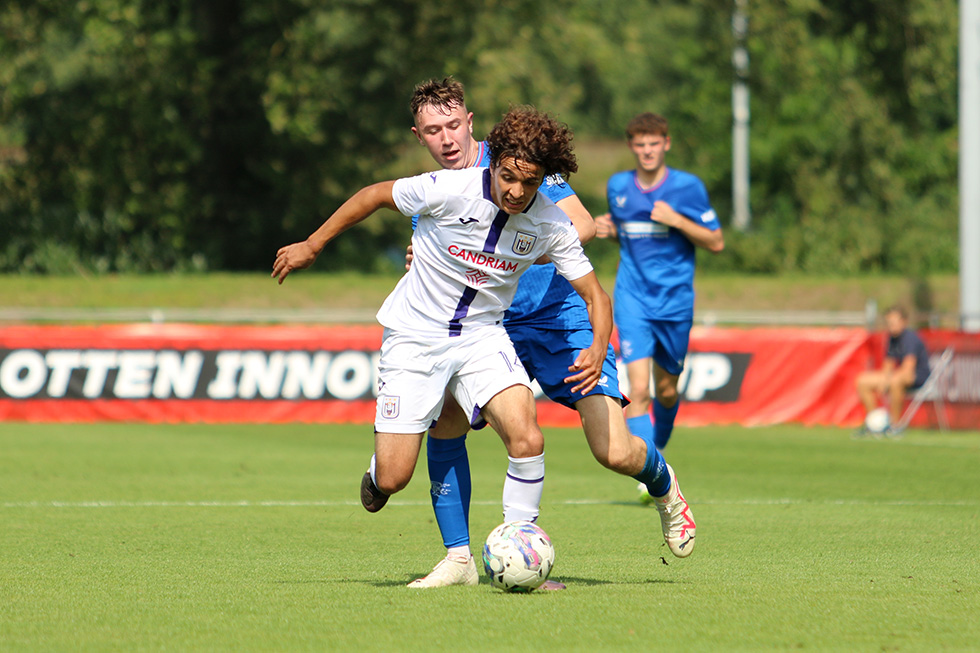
(709, 239)
(587, 369)
(581, 220)
(580, 217)
(361, 205)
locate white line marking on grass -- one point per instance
(569, 502)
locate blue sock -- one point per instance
(642, 427)
(449, 475)
(663, 423)
(654, 474)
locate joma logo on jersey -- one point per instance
(523, 242)
(477, 277)
(389, 407)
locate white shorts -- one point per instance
(414, 373)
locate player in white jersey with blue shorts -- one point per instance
(549, 325)
(478, 230)
(660, 215)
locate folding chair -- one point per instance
(933, 389)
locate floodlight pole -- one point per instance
(740, 119)
(970, 165)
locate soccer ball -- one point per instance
(518, 556)
(877, 420)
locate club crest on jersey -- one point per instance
(620, 201)
(523, 242)
(389, 407)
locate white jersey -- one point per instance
(469, 254)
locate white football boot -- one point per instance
(451, 570)
(676, 520)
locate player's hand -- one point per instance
(665, 214)
(409, 257)
(604, 226)
(292, 257)
(586, 370)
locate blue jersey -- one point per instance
(656, 262)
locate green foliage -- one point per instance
(189, 136)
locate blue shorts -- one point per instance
(665, 341)
(547, 355)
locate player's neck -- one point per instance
(650, 178)
(474, 156)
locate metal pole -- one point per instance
(970, 165)
(742, 217)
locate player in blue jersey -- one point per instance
(548, 324)
(660, 215)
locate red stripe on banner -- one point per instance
(116, 410)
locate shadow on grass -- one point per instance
(571, 581)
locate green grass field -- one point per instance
(118, 537)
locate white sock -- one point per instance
(523, 487)
(459, 552)
(371, 470)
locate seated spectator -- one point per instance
(905, 368)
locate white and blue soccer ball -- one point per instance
(877, 421)
(518, 556)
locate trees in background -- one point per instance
(139, 136)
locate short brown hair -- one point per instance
(897, 308)
(445, 93)
(647, 123)
(535, 137)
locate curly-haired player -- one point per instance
(549, 325)
(478, 230)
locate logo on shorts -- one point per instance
(523, 242)
(626, 347)
(389, 407)
(603, 381)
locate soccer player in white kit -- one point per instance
(478, 230)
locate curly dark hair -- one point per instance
(530, 135)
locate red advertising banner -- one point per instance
(194, 373)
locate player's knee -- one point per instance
(667, 396)
(392, 481)
(528, 444)
(617, 459)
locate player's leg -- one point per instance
(638, 373)
(450, 489)
(616, 448)
(671, 339)
(512, 415)
(449, 474)
(665, 405)
(412, 380)
(393, 463)
(636, 345)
